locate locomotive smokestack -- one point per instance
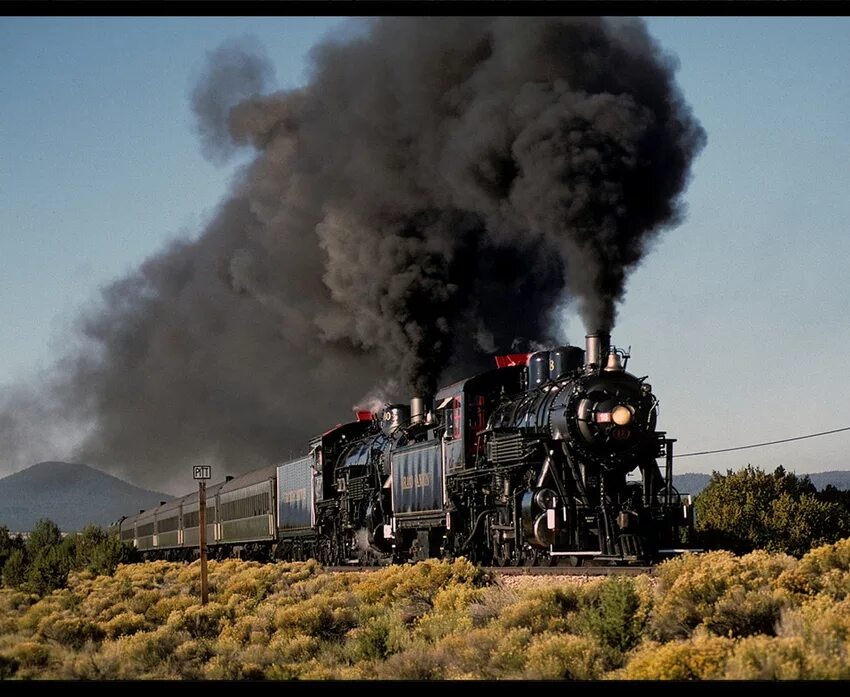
(417, 410)
(597, 346)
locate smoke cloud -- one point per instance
(236, 70)
(438, 189)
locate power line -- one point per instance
(761, 445)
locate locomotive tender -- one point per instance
(549, 458)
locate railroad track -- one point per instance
(529, 570)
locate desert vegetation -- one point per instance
(701, 616)
(43, 562)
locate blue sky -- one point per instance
(739, 316)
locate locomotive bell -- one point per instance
(613, 362)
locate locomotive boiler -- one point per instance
(552, 457)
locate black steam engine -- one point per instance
(550, 458)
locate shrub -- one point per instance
(709, 588)
(44, 536)
(31, 654)
(739, 612)
(564, 656)
(202, 621)
(8, 544)
(419, 662)
(552, 609)
(125, 624)
(294, 648)
(418, 581)
(824, 627)
(701, 658)
(609, 613)
(191, 658)
(72, 632)
(779, 512)
(823, 570)
(8, 666)
(15, 569)
(158, 609)
(246, 629)
(381, 636)
(768, 658)
(147, 653)
(49, 569)
(100, 553)
(509, 655)
(321, 616)
(450, 612)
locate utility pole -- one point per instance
(202, 473)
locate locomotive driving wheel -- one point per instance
(530, 557)
(503, 554)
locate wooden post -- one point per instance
(202, 537)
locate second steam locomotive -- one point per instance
(549, 458)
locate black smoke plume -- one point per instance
(437, 189)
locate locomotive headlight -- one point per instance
(622, 415)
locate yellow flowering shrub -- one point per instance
(700, 616)
(702, 657)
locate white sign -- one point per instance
(202, 472)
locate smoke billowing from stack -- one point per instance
(438, 188)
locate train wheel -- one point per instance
(530, 557)
(503, 555)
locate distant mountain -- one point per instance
(70, 495)
(840, 479)
(689, 483)
(695, 482)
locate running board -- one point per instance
(574, 554)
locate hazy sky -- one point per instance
(738, 316)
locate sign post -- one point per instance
(202, 473)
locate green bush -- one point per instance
(15, 569)
(49, 569)
(44, 535)
(95, 550)
(780, 512)
(44, 563)
(381, 636)
(609, 613)
(8, 545)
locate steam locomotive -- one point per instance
(551, 458)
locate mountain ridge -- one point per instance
(694, 482)
(72, 495)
